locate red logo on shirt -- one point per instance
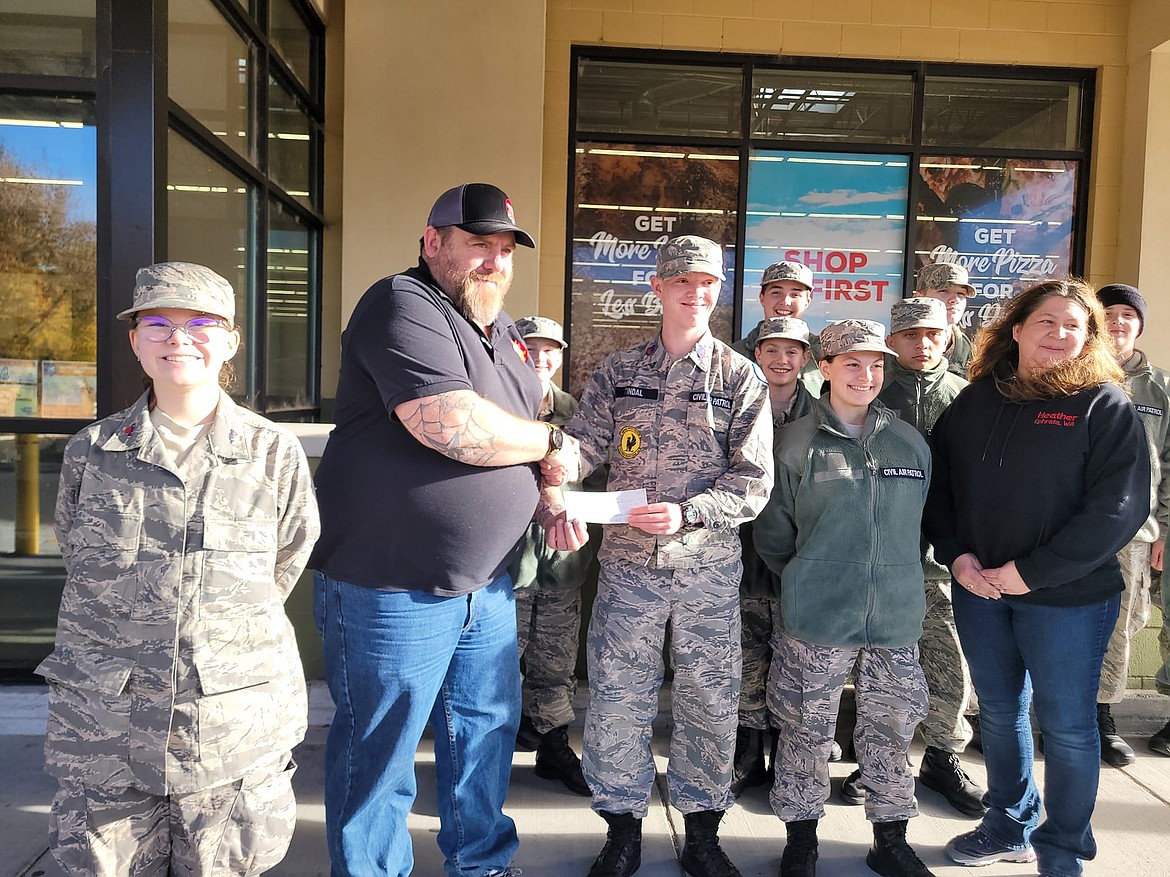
(521, 350)
(1055, 418)
(508, 209)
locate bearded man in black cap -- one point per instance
(426, 485)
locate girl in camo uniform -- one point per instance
(841, 531)
(176, 690)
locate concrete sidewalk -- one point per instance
(560, 835)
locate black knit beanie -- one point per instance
(1123, 294)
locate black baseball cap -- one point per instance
(478, 208)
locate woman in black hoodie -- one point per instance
(1041, 475)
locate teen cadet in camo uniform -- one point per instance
(686, 418)
(842, 532)
(548, 596)
(782, 352)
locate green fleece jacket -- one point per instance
(842, 529)
(758, 580)
(958, 352)
(1150, 389)
(918, 398)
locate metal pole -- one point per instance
(28, 498)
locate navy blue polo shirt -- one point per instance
(396, 515)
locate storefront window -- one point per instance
(30, 558)
(48, 37)
(1009, 221)
(629, 98)
(289, 144)
(208, 215)
(843, 215)
(209, 71)
(291, 301)
(628, 201)
(48, 247)
(839, 175)
(292, 38)
(1001, 113)
(794, 105)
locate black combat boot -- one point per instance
(800, 853)
(622, 854)
(556, 760)
(527, 737)
(891, 856)
(702, 855)
(1114, 750)
(748, 769)
(942, 772)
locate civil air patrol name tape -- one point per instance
(902, 472)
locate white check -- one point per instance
(605, 507)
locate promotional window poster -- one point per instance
(629, 200)
(843, 215)
(1008, 221)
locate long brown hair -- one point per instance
(997, 355)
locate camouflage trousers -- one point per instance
(758, 615)
(804, 692)
(634, 609)
(548, 624)
(230, 830)
(947, 677)
(1135, 612)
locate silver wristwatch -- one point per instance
(691, 516)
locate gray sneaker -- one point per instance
(979, 848)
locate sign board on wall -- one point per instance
(843, 215)
(1008, 221)
(629, 200)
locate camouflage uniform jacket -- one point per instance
(1150, 387)
(759, 581)
(697, 429)
(175, 667)
(810, 375)
(958, 352)
(537, 564)
(918, 398)
(843, 529)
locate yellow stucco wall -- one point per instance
(1080, 33)
(436, 94)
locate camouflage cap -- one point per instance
(783, 327)
(181, 285)
(918, 313)
(689, 254)
(854, 336)
(541, 327)
(797, 272)
(940, 275)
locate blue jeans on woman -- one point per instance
(1048, 656)
(394, 662)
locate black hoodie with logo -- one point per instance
(1057, 485)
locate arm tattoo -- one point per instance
(449, 424)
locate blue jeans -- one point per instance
(1049, 656)
(394, 662)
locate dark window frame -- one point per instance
(914, 151)
(134, 115)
